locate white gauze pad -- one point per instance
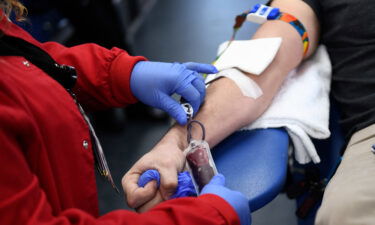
(247, 86)
(252, 56)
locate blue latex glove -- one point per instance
(153, 83)
(236, 199)
(148, 176)
(184, 188)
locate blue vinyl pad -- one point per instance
(254, 163)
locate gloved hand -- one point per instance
(153, 83)
(236, 199)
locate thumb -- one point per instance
(218, 179)
(173, 108)
(201, 67)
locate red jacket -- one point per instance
(47, 174)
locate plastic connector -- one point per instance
(261, 13)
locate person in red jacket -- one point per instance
(47, 148)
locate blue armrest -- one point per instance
(254, 163)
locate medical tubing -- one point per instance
(190, 126)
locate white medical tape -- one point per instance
(247, 86)
(252, 56)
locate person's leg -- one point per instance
(350, 195)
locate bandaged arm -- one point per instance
(226, 109)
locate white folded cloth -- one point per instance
(302, 106)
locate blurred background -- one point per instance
(161, 30)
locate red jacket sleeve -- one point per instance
(103, 75)
(23, 201)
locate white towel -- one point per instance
(302, 106)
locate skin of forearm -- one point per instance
(226, 109)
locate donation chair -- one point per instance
(256, 163)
